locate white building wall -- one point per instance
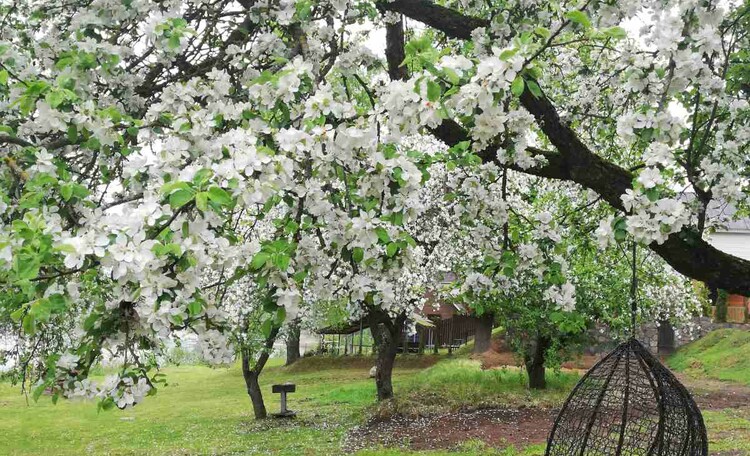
(735, 243)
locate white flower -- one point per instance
(289, 298)
(6, 254)
(544, 217)
(604, 233)
(650, 178)
(564, 296)
(657, 154)
(67, 361)
(629, 199)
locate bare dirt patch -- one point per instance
(498, 428)
(503, 427)
(716, 395)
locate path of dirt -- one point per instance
(501, 427)
(496, 427)
(715, 394)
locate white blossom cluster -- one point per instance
(174, 166)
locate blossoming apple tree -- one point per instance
(142, 142)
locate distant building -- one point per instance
(733, 238)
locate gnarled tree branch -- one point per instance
(685, 251)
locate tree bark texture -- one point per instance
(292, 342)
(534, 361)
(251, 373)
(483, 335)
(386, 334)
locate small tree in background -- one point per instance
(721, 305)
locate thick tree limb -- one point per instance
(448, 21)
(685, 251)
(394, 51)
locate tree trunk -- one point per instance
(292, 342)
(665, 340)
(251, 374)
(253, 388)
(534, 361)
(483, 335)
(385, 333)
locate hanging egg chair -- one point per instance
(628, 404)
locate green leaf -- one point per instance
(38, 391)
(66, 191)
(617, 33)
(652, 194)
(171, 186)
(55, 98)
(3, 77)
(579, 17)
(534, 88)
(201, 201)
(29, 324)
(508, 53)
(452, 76)
(391, 249)
(382, 235)
(358, 254)
(79, 191)
(220, 196)
(281, 261)
(90, 321)
(304, 8)
(26, 267)
(107, 404)
(180, 197)
(408, 239)
(202, 176)
(517, 87)
(280, 315)
(299, 276)
(17, 315)
(40, 310)
(266, 327)
(174, 41)
(72, 134)
(620, 223)
(542, 32)
(259, 260)
(433, 90)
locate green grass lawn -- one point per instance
(203, 410)
(206, 411)
(723, 354)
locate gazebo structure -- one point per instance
(442, 326)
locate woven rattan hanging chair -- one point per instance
(628, 404)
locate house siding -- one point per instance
(735, 243)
